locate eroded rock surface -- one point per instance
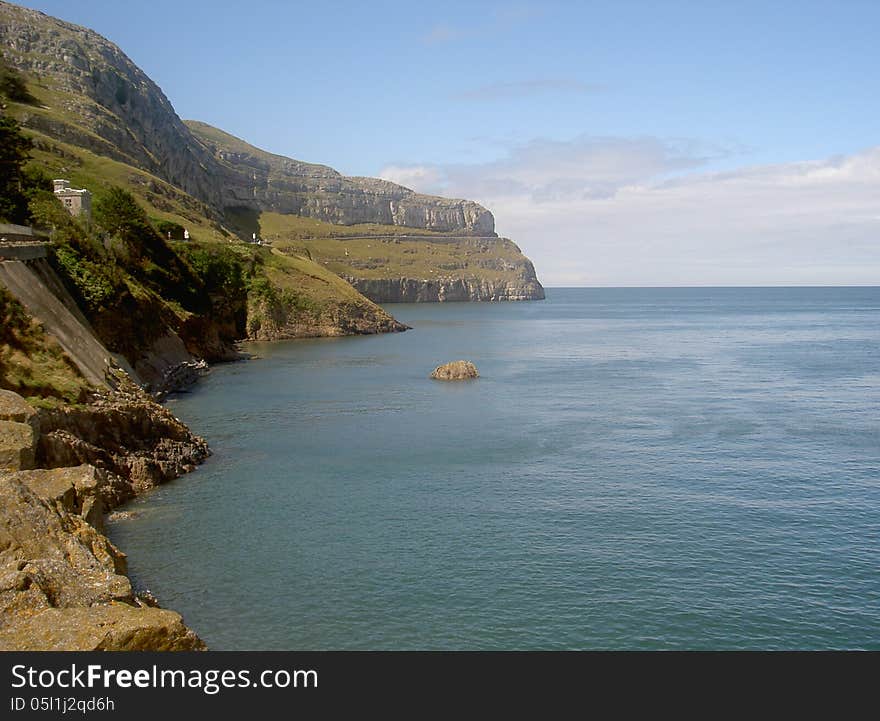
(116, 627)
(455, 371)
(63, 584)
(129, 435)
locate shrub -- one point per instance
(15, 148)
(13, 87)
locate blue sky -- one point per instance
(624, 117)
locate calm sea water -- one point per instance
(636, 468)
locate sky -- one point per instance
(618, 143)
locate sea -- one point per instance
(635, 468)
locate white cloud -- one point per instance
(414, 176)
(616, 211)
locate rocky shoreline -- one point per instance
(63, 584)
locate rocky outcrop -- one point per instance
(128, 434)
(276, 320)
(19, 429)
(103, 628)
(459, 370)
(83, 490)
(413, 290)
(17, 446)
(63, 584)
(165, 365)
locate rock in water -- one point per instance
(459, 370)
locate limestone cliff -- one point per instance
(411, 290)
(111, 107)
(425, 268)
(255, 179)
(92, 96)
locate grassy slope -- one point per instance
(370, 250)
(315, 290)
(86, 169)
(31, 362)
(221, 138)
(367, 251)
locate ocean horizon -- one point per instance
(636, 468)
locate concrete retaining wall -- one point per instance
(23, 251)
(68, 327)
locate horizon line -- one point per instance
(683, 287)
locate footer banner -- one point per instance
(135, 685)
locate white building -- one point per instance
(77, 201)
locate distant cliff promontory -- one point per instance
(93, 98)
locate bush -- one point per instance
(170, 230)
(93, 284)
(13, 87)
(219, 268)
(14, 152)
(117, 212)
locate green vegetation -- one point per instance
(13, 86)
(31, 363)
(169, 229)
(374, 251)
(276, 226)
(15, 183)
(132, 285)
(494, 259)
(129, 267)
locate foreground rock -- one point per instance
(63, 584)
(16, 409)
(459, 370)
(105, 628)
(19, 428)
(139, 442)
(80, 490)
(17, 446)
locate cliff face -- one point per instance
(92, 96)
(109, 105)
(272, 320)
(255, 179)
(105, 103)
(426, 268)
(409, 290)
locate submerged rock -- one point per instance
(455, 371)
